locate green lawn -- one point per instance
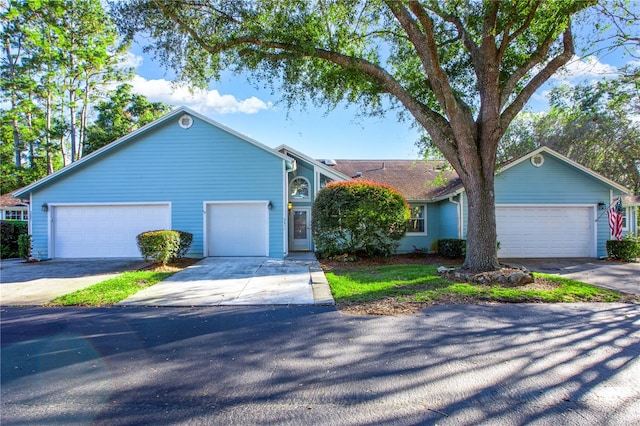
(112, 290)
(421, 283)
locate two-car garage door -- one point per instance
(85, 231)
(82, 231)
(545, 231)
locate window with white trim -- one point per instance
(625, 215)
(299, 189)
(16, 215)
(324, 181)
(418, 221)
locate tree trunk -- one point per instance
(72, 125)
(47, 133)
(482, 254)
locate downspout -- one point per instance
(459, 207)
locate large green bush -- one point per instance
(358, 218)
(10, 231)
(626, 250)
(164, 245)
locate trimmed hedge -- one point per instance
(164, 245)
(10, 231)
(626, 250)
(453, 248)
(358, 218)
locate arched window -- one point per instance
(299, 188)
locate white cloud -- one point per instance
(130, 60)
(203, 101)
(585, 68)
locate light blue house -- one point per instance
(546, 204)
(241, 198)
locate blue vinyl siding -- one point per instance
(555, 182)
(448, 219)
(408, 242)
(171, 164)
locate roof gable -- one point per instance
(569, 162)
(131, 138)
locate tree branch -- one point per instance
(534, 84)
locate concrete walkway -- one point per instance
(297, 280)
(617, 276)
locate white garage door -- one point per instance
(104, 230)
(237, 229)
(545, 231)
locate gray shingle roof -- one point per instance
(414, 179)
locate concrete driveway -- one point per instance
(298, 280)
(214, 281)
(602, 273)
(26, 284)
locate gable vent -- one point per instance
(537, 160)
(185, 121)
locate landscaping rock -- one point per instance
(506, 277)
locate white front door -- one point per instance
(300, 229)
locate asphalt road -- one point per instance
(537, 364)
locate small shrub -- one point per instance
(24, 246)
(10, 231)
(626, 250)
(453, 248)
(161, 245)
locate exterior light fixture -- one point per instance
(45, 207)
(289, 205)
(602, 205)
(270, 205)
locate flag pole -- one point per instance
(607, 209)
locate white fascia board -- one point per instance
(326, 170)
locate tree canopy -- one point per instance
(58, 59)
(461, 70)
(119, 115)
(594, 124)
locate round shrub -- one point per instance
(358, 218)
(161, 245)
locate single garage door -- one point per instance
(237, 229)
(104, 230)
(545, 231)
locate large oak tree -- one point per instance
(461, 69)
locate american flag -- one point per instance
(615, 219)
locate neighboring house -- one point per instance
(241, 198)
(12, 208)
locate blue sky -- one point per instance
(338, 134)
